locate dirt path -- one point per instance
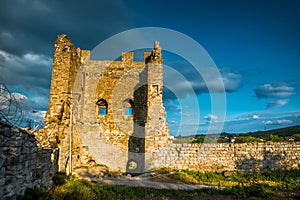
(94, 176)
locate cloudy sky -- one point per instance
(255, 45)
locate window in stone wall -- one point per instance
(102, 111)
(155, 90)
(102, 106)
(128, 104)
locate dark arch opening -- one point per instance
(129, 107)
(102, 107)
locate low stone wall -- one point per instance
(246, 157)
(22, 163)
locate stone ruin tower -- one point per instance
(105, 111)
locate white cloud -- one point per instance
(41, 114)
(275, 89)
(284, 121)
(186, 114)
(4, 56)
(170, 104)
(255, 117)
(10, 100)
(18, 109)
(277, 103)
(38, 59)
(278, 122)
(211, 118)
(18, 96)
(33, 75)
(173, 121)
(268, 122)
(187, 80)
(231, 81)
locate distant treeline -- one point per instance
(290, 134)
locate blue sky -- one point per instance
(255, 45)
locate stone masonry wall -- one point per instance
(22, 163)
(81, 88)
(246, 157)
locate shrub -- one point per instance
(241, 191)
(203, 139)
(244, 139)
(297, 137)
(276, 138)
(33, 194)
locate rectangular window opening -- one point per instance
(102, 111)
(155, 89)
(128, 111)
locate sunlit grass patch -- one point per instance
(272, 185)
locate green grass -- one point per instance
(272, 185)
(181, 140)
(77, 189)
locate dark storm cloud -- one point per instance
(28, 31)
(22, 25)
(29, 73)
(32, 25)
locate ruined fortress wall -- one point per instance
(81, 87)
(247, 157)
(22, 163)
(228, 157)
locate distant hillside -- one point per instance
(288, 131)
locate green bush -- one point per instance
(33, 194)
(241, 191)
(244, 139)
(297, 137)
(203, 139)
(60, 178)
(199, 140)
(276, 138)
